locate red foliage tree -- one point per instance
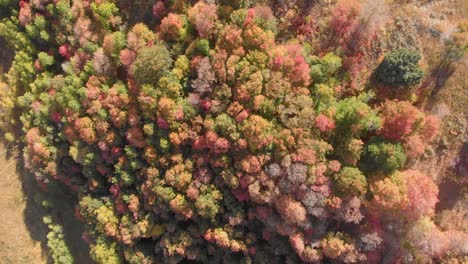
(171, 27)
(344, 18)
(421, 192)
(290, 59)
(159, 10)
(399, 119)
(324, 123)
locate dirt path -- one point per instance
(16, 242)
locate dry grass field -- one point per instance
(22, 232)
(17, 243)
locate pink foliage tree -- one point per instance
(171, 27)
(324, 123)
(422, 194)
(203, 16)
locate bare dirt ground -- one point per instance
(17, 244)
(22, 232)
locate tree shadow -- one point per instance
(140, 11)
(440, 75)
(461, 169)
(6, 56)
(435, 81)
(451, 189)
(62, 212)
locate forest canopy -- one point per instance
(222, 131)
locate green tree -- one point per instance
(226, 126)
(400, 68)
(207, 205)
(45, 59)
(105, 251)
(56, 242)
(323, 69)
(382, 157)
(104, 12)
(151, 64)
(6, 7)
(350, 181)
(354, 117)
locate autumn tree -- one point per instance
(151, 64)
(172, 27)
(422, 194)
(351, 181)
(399, 119)
(390, 194)
(203, 17)
(223, 131)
